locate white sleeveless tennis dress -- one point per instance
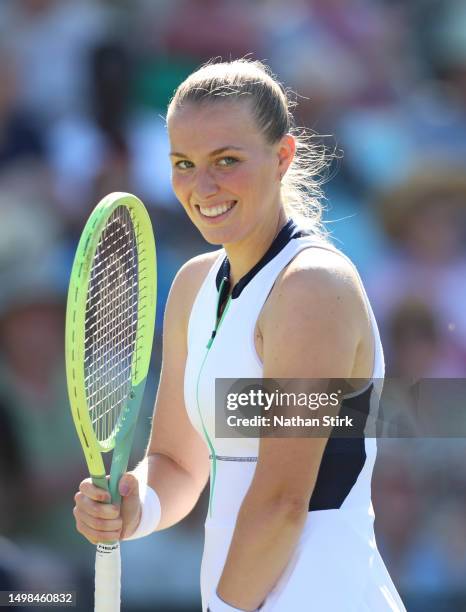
(336, 566)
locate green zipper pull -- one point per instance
(211, 339)
(219, 318)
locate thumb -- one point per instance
(131, 508)
(128, 485)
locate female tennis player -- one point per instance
(290, 520)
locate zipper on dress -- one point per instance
(222, 293)
(224, 286)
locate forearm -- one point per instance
(177, 489)
(263, 542)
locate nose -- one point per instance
(205, 184)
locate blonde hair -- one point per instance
(271, 104)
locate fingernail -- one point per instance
(124, 489)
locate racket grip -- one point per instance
(107, 578)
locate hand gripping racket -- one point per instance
(109, 331)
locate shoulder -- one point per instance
(187, 283)
(195, 270)
(315, 317)
(317, 278)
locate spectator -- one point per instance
(32, 382)
(19, 136)
(424, 218)
(50, 40)
(112, 148)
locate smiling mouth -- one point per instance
(216, 211)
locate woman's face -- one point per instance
(224, 173)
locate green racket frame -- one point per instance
(122, 436)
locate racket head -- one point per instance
(110, 322)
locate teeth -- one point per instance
(215, 211)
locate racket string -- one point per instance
(102, 364)
(111, 323)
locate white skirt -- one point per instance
(336, 566)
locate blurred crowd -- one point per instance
(84, 87)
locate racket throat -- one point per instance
(124, 440)
(100, 481)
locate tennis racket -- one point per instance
(110, 321)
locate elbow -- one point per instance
(287, 509)
(293, 508)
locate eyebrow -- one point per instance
(212, 153)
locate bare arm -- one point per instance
(312, 330)
(177, 457)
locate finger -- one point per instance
(96, 509)
(98, 524)
(96, 493)
(128, 485)
(95, 536)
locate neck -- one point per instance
(245, 254)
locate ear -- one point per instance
(286, 150)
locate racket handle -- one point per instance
(107, 578)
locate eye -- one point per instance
(184, 164)
(227, 161)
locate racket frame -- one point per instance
(122, 436)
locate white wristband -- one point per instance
(150, 512)
(216, 604)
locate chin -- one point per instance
(222, 235)
(216, 236)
